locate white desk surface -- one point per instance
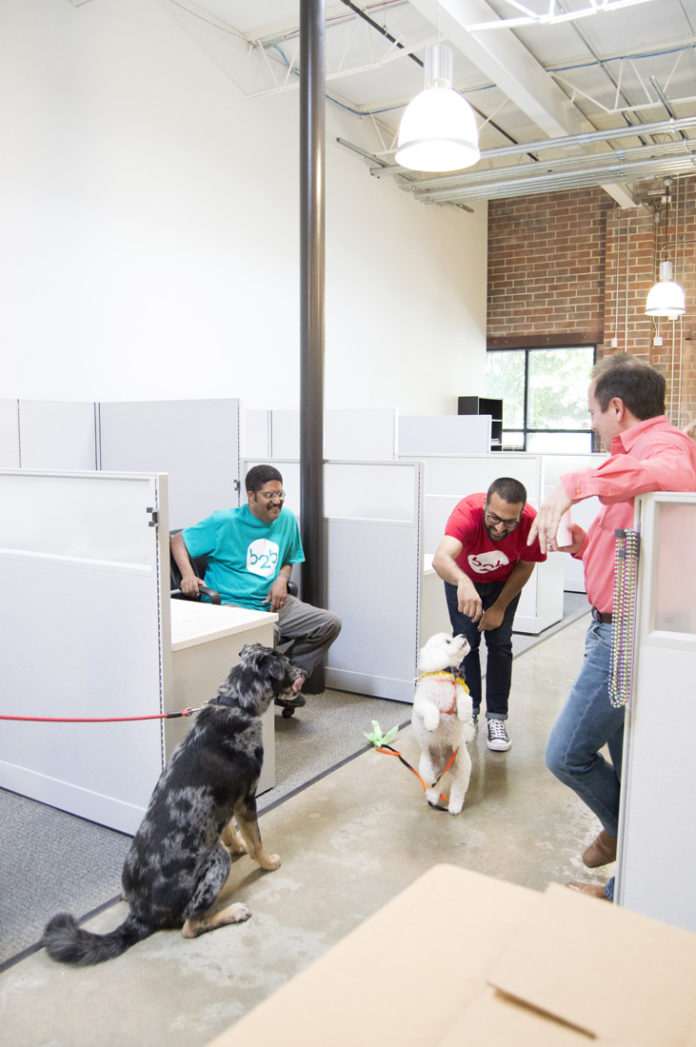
(194, 622)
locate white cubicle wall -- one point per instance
(364, 434)
(47, 434)
(444, 434)
(82, 621)
(196, 442)
(448, 478)
(374, 551)
(657, 844)
(9, 434)
(374, 513)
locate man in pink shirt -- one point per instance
(626, 403)
(485, 562)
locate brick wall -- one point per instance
(574, 268)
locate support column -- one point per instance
(312, 283)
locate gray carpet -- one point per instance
(51, 861)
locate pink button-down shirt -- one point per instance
(650, 456)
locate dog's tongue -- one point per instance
(297, 684)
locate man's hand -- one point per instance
(577, 542)
(545, 523)
(190, 585)
(468, 600)
(491, 618)
(278, 593)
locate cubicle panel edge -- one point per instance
(9, 434)
(83, 634)
(657, 850)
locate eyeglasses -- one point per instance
(272, 496)
(495, 521)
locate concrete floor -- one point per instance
(349, 843)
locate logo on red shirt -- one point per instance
(484, 563)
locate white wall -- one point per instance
(150, 224)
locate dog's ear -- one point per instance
(273, 664)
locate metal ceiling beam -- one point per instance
(506, 62)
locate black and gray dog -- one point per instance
(179, 859)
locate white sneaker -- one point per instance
(498, 738)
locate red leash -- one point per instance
(105, 719)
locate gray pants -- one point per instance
(305, 633)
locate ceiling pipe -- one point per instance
(568, 142)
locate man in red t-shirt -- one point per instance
(485, 562)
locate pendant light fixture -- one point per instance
(666, 298)
(438, 129)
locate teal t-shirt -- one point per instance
(244, 554)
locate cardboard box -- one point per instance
(460, 958)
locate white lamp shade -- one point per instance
(666, 298)
(438, 132)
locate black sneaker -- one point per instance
(498, 738)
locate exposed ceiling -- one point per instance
(568, 93)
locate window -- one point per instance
(544, 397)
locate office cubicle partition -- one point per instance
(9, 434)
(364, 434)
(196, 442)
(47, 434)
(444, 434)
(657, 845)
(82, 619)
(374, 513)
(373, 516)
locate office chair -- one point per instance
(200, 565)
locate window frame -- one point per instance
(527, 430)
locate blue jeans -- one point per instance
(499, 646)
(586, 723)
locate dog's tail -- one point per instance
(67, 942)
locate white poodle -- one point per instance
(441, 718)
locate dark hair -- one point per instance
(510, 490)
(260, 475)
(637, 384)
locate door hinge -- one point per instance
(154, 516)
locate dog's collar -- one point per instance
(454, 673)
(456, 676)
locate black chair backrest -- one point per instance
(200, 565)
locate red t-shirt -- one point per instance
(482, 559)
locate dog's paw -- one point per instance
(456, 799)
(232, 840)
(431, 720)
(432, 796)
(270, 862)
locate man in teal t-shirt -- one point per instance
(250, 553)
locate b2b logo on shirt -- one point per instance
(262, 557)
